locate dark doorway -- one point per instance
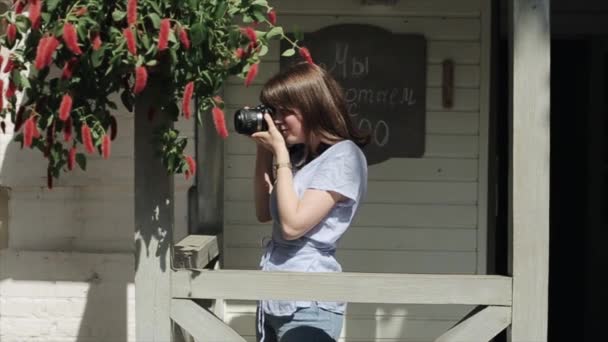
(570, 83)
(579, 184)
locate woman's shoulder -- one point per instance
(345, 149)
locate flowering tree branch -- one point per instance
(104, 47)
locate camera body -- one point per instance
(251, 120)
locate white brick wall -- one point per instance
(56, 296)
(67, 274)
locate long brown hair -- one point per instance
(314, 93)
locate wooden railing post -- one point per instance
(530, 43)
(153, 227)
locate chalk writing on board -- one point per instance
(383, 76)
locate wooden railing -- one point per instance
(193, 279)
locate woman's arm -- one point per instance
(298, 216)
(262, 183)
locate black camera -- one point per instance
(250, 120)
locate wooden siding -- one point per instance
(421, 215)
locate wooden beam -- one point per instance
(349, 287)
(153, 226)
(481, 327)
(195, 251)
(530, 48)
(200, 323)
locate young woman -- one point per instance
(310, 178)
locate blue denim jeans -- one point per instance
(311, 324)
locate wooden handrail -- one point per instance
(344, 286)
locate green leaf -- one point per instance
(82, 161)
(155, 20)
(194, 4)
(46, 16)
(51, 4)
(17, 79)
(118, 15)
(145, 39)
(288, 52)
(297, 33)
(152, 62)
(198, 33)
(25, 83)
(207, 78)
(127, 100)
(263, 50)
(155, 7)
(259, 16)
(275, 31)
(260, 3)
(220, 11)
(82, 32)
(97, 57)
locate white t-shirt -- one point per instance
(341, 168)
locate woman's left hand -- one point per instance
(272, 139)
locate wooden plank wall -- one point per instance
(421, 215)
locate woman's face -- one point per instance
(290, 125)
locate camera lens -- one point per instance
(250, 120)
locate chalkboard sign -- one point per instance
(384, 80)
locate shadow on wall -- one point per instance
(66, 262)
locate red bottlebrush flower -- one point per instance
(183, 37)
(67, 130)
(36, 133)
(272, 17)
(68, 68)
(11, 33)
(250, 33)
(11, 90)
(306, 55)
(49, 178)
(220, 122)
(131, 12)
(239, 53)
(30, 131)
(251, 74)
(188, 91)
(96, 42)
(50, 48)
(18, 119)
(44, 52)
(80, 11)
(71, 158)
(105, 147)
(65, 107)
(71, 39)
(3, 126)
(163, 35)
(130, 38)
(113, 127)
(35, 10)
(19, 7)
(191, 164)
(141, 78)
(10, 64)
(87, 140)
